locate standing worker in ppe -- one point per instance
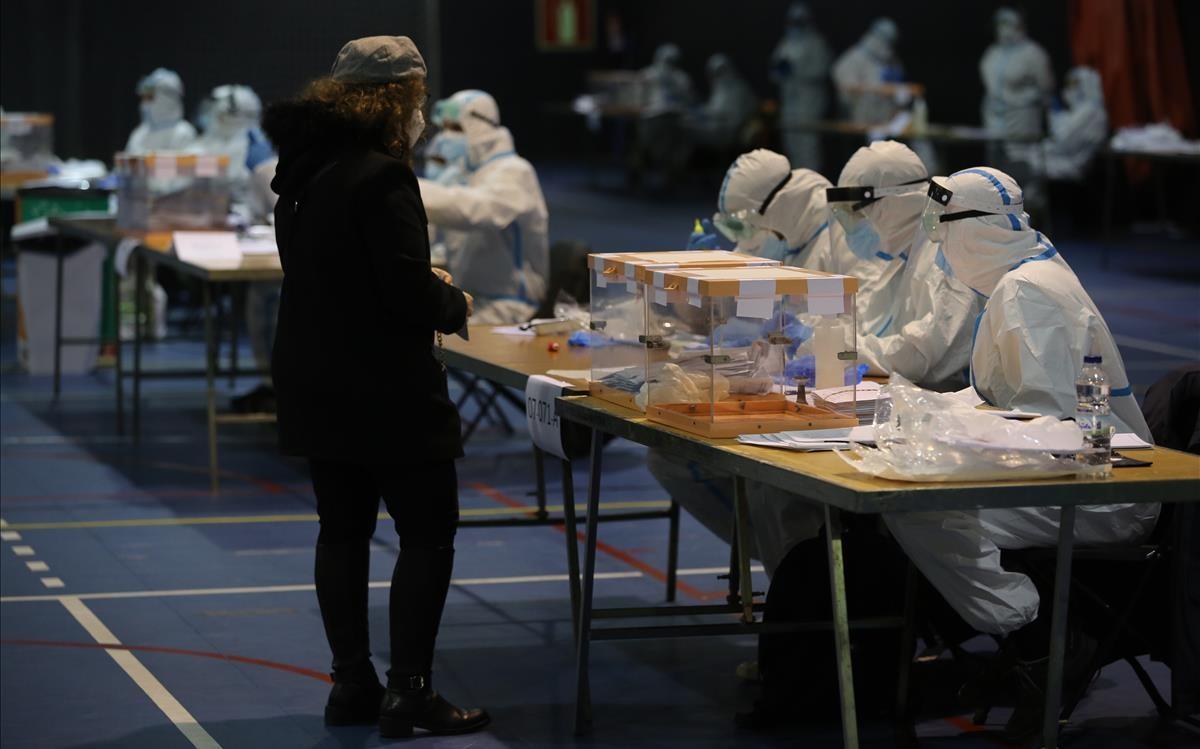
(1018, 81)
(800, 65)
(497, 224)
(731, 105)
(163, 127)
(926, 335)
(1036, 327)
(774, 212)
(661, 143)
(866, 73)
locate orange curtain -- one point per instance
(1136, 46)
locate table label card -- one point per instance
(541, 413)
(213, 250)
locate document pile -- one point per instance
(813, 440)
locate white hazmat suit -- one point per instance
(1017, 78)
(162, 127)
(927, 334)
(497, 224)
(800, 65)
(730, 106)
(862, 71)
(1036, 327)
(1076, 132)
(230, 113)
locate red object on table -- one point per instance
(553, 346)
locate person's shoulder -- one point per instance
(376, 172)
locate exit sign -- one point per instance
(566, 25)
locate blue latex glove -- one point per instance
(892, 74)
(704, 237)
(260, 149)
(805, 366)
(580, 338)
(855, 376)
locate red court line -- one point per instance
(176, 651)
(495, 494)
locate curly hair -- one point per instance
(380, 111)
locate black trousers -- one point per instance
(422, 500)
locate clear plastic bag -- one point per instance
(921, 435)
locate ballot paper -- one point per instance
(258, 246)
(214, 250)
(813, 440)
(514, 330)
(1129, 441)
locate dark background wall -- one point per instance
(81, 60)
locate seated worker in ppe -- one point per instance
(496, 224)
(1017, 78)
(721, 121)
(926, 336)
(1036, 327)
(163, 127)
(864, 73)
(661, 143)
(228, 116)
(1076, 132)
(770, 211)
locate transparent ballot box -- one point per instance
(165, 190)
(751, 350)
(26, 141)
(619, 317)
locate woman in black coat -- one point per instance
(361, 391)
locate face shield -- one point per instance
(847, 203)
(742, 225)
(937, 211)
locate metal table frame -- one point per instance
(836, 499)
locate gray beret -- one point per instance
(378, 59)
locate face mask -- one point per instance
(879, 47)
(863, 242)
(761, 242)
(414, 128)
(774, 248)
(162, 110)
(1007, 34)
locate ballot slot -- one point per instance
(739, 344)
(624, 346)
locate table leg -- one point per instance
(59, 247)
(583, 699)
(572, 534)
(907, 643)
(841, 625)
(139, 308)
(210, 374)
(741, 518)
(116, 301)
(539, 469)
(673, 551)
(1058, 626)
(236, 302)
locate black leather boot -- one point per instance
(352, 704)
(341, 576)
(418, 706)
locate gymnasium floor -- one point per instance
(211, 601)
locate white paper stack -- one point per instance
(813, 440)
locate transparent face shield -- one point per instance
(847, 203)
(937, 213)
(739, 226)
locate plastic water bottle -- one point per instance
(1092, 416)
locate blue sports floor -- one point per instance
(204, 602)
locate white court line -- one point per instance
(53, 582)
(10, 536)
(141, 676)
(37, 566)
(715, 570)
(296, 588)
(23, 551)
(3, 523)
(1155, 347)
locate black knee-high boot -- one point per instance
(342, 572)
(419, 586)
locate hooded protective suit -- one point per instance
(1076, 133)
(731, 104)
(860, 70)
(497, 224)
(800, 65)
(162, 127)
(927, 334)
(231, 112)
(1017, 80)
(1031, 338)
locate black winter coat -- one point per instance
(356, 375)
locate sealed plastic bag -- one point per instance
(921, 435)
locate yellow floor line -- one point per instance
(471, 512)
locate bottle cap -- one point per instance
(1092, 359)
